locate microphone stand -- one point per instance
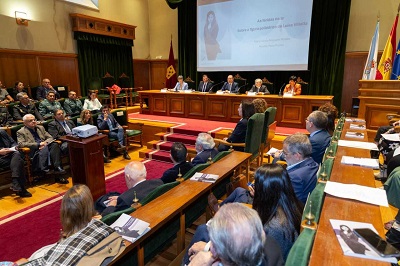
(280, 90)
(213, 86)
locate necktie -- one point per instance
(66, 128)
(230, 87)
(204, 87)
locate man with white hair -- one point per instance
(236, 237)
(135, 178)
(259, 88)
(205, 147)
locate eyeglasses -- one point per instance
(31, 120)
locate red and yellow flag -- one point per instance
(385, 64)
(171, 80)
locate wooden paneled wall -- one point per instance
(150, 74)
(31, 67)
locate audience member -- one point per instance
(19, 87)
(106, 121)
(81, 235)
(49, 105)
(72, 105)
(12, 158)
(205, 85)
(43, 90)
(260, 105)
(245, 110)
(5, 98)
(230, 85)
(332, 112)
(302, 168)
(181, 85)
(5, 117)
(236, 237)
(42, 147)
(205, 148)
(259, 88)
(61, 127)
(138, 186)
(25, 107)
(85, 118)
(181, 166)
(320, 139)
(273, 197)
(293, 87)
(92, 103)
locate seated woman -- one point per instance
(92, 103)
(245, 110)
(77, 237)
(85, 118)
(181, 85)
(260, 105)
(18, 87)
(292, 88)
(276, 203)
(5, 98)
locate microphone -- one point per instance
(280, 90)
(215, 85)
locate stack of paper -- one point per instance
(354, 246)
(358, 144)
(356, 135)
(365, 162)
(130, 228)
(357, 126)
(359, 120)
(204, 177)
(391, 137)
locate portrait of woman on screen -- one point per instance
(210, 36)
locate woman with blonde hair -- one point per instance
(85, 118)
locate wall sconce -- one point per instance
(21, 18)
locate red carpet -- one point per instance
(21, 236)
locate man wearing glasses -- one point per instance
(42, 147)
(25, 107)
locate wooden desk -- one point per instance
(177, 201)
(326, 249)
(291, 111)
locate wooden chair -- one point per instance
(300, 252)
(269, 132)
(156, 193)
(304, 86)
(268, 84)
(131, 135)
(191, 83)
(108, 81)
(239, 80)
(125, 83)
(194, 170)
(110, 218)
(94, 84)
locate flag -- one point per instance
(371, 64)
(170, 82)
(386, 62)
(396, 64)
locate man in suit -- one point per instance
(135, 178)
(49, 105)
(43, 90)
(320, 138)
(42, 147)
(12, 158)
(205, 147)
(259, 88)
(178, 157)
(25, 107)
(72, 105)
(61, 127)
(230, 85)
(302, 168)
(205, 85)
(106, 121)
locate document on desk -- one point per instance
(370, 195)
(364, 162)
(357, 126)
(358, 144)
(391, 137)
(358, 120)
(356, 135)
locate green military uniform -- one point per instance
(72, 107)
(47, 108)
(19, 111)
(5, 117)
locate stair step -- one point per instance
(186, 139)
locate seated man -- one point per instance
(320, 138)
(178, 157)
(302, 169)
(106, 121)
(72, 105)
(226, 247)
(42, 91)
(25, 107)
(230, 85)
(204, 85)
(42, 147)
(10, 157)
(135, 178)
(5, 117)
(61, 127)
(259, 88)
(49, 105)
(205, 147)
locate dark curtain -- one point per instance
(98, 55)
(329, 25)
